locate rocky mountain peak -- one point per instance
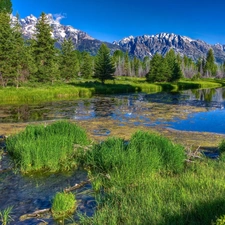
(148, 45)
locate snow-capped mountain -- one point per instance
(148, 45)
(141, 46)
(82, 41)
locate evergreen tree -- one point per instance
(126, 65)
(6, 49)
(45, 52)
(136, 63)
(6, 6)
(86, 69)
(22, 61)
(210, 66)
(158, 69)
(69, 64)
(104, 67)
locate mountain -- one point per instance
(82, 41)
(140, 46)
(147, 45)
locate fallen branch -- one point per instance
(5, 170)
(77, 186)
(35, 214)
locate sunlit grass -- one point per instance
(148, 181)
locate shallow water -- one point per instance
(193, 110)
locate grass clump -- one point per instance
(48, 148)
(5, 216)
(222, 147)
(147, 181)
(127, 164)
(63, 205)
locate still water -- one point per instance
(192, 110)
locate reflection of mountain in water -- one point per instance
(199, 98)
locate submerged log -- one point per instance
(35, 214)
(77, 186)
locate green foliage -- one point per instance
(220, 221)
(86, 69)
(69, 64)
(47, 148)
(5, 217)
(6, 6)
(6, 50)
(104, 67)
(45, 52)
(63, 205)
(158, 69)
(222, 147)
(210, 65)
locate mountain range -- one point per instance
(141, 46)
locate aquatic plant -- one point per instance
(5, 216)
(49, 148)
(63, 204)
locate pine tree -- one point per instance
(69, 64)
(6, 6)
(6, 49)
(22, 61)
(45, 52)
(158, 69)
(210, 66)
(174, 72)
(104, 67)
(86, 69)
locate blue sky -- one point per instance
(110, 20)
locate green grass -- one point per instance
(34, 93)
(42, 94)
(5, 216)
(63, 204)
(49, 148)
(147, 181)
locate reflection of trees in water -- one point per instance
(24, 113)
(204, 94)
(104, 107)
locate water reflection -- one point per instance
(137, 109)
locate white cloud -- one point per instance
(59, 16)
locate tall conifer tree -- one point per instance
(69, 64)
(45, 52)
(104, 67)
(6, 49)
(6, 6)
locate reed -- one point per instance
(5, 216)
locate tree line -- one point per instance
(38, 60)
